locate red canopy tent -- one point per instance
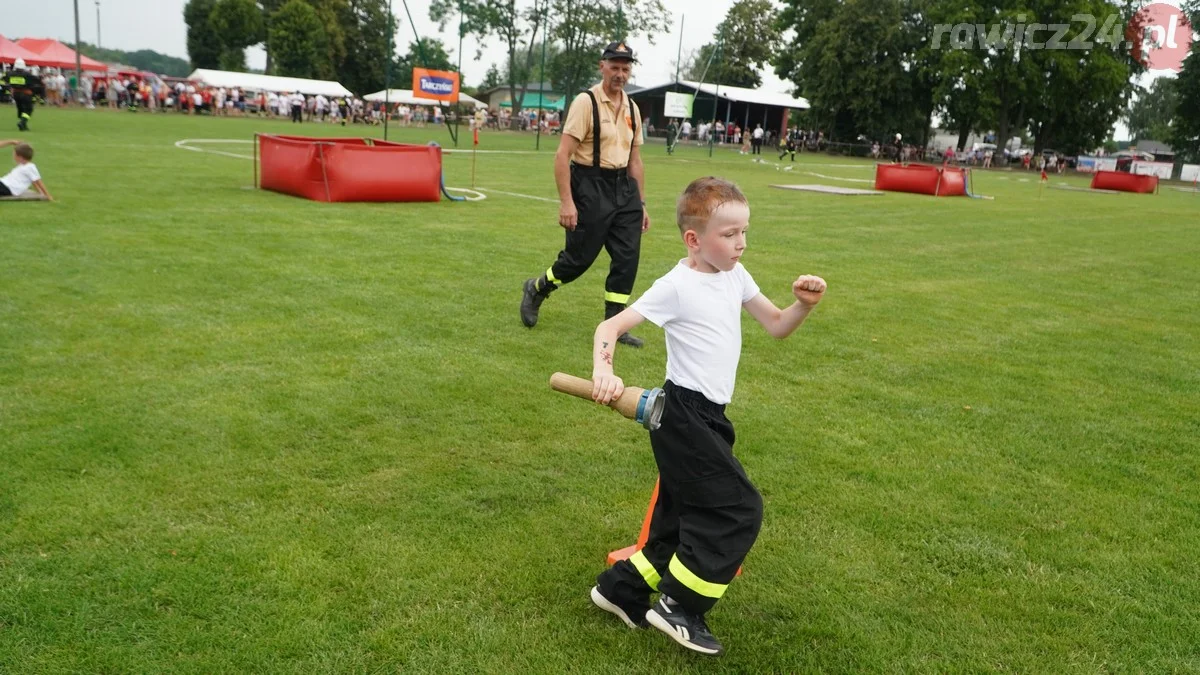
(11, 51)
(55, 54)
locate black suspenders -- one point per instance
(596, 130)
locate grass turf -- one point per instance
(244, 432)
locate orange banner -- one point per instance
(440, 85)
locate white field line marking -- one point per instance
(473, 196)
(849, 180)
(185, 144)
(463, 151)
(518, 194)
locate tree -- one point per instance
(297, 40)
(746, 39)
(240, 24)
(1185, 132)
(431, 54)
(203, 40)
(1150, 115)
(701, 64)
(516, 27)
(855, 62)
(582, 28)
(1059, 116)
(491, 78)
(334, 45)
(364, 24)
(143, 59)
(535, 73)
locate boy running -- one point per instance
(708, 513)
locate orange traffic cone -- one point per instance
(643, 536)
(624, 553)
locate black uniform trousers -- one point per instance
(24, 106)
(707, 516)
(610, 217)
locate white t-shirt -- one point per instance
(702, 315)
(297, 99)
(758, 133)
(21, 178)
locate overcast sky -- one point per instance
(158, 25)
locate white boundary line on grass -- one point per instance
(478, 196)
(184, 145)
(462, 151)
(848, 180)
(518, 194)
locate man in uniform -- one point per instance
(599, 174)
(23, 85)
(672, 132)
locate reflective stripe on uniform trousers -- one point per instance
(685, 576)
(647, 570)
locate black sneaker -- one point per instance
(603, 603)
(531, 302)
(687, 629)
(630, 340)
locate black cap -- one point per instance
(618, 50)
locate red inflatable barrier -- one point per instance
(1124, 182)
(349, 169)
(922, 179)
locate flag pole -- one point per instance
(78, 58)
(387, 73)
(474, 147)
(458, 104)
(541, 82)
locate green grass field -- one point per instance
(242, 432)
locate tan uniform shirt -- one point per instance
(616, 128)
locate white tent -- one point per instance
(744, 95)
(253, 82)
(406, 97)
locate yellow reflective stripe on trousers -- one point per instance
(647, 570)
(550, 276)
(687, 578)
(622, 298)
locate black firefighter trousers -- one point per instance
(24, 106)
(707, 516)
(610, 217)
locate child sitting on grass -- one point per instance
(17, 181)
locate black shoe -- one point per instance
(531, 301)
(605, 604)
(630, 340)
(687, 629)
